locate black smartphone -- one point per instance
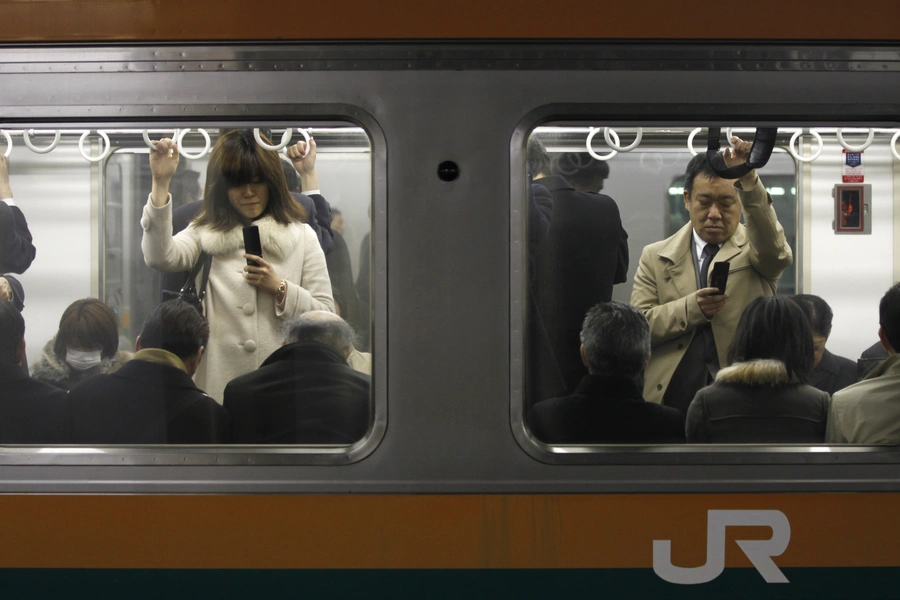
(719, 276)
(252, 245)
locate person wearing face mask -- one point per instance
(86, 344)
(245, 305)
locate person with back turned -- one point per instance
(830, 372)
(31, 411)
(691, 323)
(868, 412)
(16, 250)
(152, 399)
(607, 407)
(305, 392)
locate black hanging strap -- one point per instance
(760, 152)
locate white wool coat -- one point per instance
(244, 322)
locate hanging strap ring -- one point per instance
(894, 145)
(185, 153)
(691, 140)
(305, 135)
(8, 137)
(796, 153)
(608, 133)
(84, 152)
(760, 152)
(152, 145)
(848, 147)
(590, 150)
(26, 135)
(285, 140)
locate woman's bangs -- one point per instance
(241, 168)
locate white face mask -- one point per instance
(82, 361)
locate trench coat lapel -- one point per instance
(679, 271)
(732, 246)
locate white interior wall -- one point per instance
(852, 272)
(54, 192)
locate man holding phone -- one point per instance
(692, 322)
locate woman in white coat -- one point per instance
(245, 305)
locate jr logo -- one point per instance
(758, 551)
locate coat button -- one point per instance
(250, 346)
(683, 323)
(659, 386)
(249, 309)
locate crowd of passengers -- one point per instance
(686, 361)
(253, 348)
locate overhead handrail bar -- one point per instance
(796, 153)
(26, 135)
(848, 147)
(84, 153)
(590, 150)
(607, 135)
(185, 153)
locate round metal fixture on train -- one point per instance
(196, 155)
(590, 138)
(608, 132)
(894, 145)
(26, 135)
(84, 152)
(151, 145)
(796, 153)
(849, 148)
(285, 140)
(448, 171)
(8, 137)
(691, 141)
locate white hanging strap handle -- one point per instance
(84, 153)
(151, 145)
(796, 153)
(285, 140)
(8, 137)
(594, 155)
(894, 145)
(608, 133)
(691, 141)
(728, 135)
(26, 135)
(849, 148)
(305, 135)
(184, 152)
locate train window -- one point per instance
(655, 275)
(281, 351)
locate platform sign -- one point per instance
(852, 167)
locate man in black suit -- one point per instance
(31, 412)
(152, 398)
(16, 249)
(318, 211)
(305, 392)
(608, 407)
(584, 254)
(832, 372)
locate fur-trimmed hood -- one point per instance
(58, 373)
(756, 373)
(278, 241)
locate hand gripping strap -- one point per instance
(760, 152)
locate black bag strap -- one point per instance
(760, 152)
(204, 261)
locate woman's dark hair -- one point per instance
(177, 327)
(584, 172)
(87, 324)
(774, 327)
(237, 160)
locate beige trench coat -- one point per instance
(665, 286)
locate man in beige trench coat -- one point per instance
(691, 324)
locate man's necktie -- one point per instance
(709, 252)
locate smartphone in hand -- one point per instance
(252, 243)
(719, 276)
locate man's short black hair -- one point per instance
(817, 312)
(538, 159)
(177, 327)
(889, 316)
(12, 330)
(616, 339)
(700, 166)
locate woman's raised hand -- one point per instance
(163, 162)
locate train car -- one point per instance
(422, 115)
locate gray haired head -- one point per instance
(321, 326)
(616, 339)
